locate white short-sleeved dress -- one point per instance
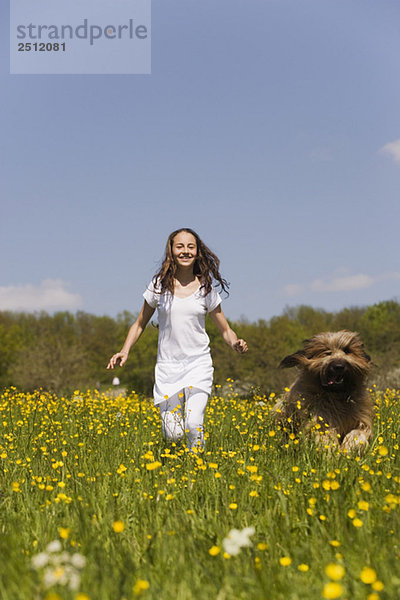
(183, 357)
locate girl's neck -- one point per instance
(185, 276)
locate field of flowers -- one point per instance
(95, 505)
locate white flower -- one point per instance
(74, 581)
(237, 539)
(54, 546)
(52, 576)
(40, 560)
(78, 561)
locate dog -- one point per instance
(329, 397)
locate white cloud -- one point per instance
(393, 150)
(344, 283)
(50, 295)
(293, 289)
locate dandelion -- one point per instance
(233, 506)
(378, 586)
(153, 465)
(214, 550)
(332, 590)
(368, 575)
(303, 568)
(141, 585)
(357, 523)
(335, 571)
(262, 546)
(118, 526)
(237, 539)
(64, 532)
(285, 561)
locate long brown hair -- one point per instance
(206, 266)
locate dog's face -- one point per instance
(335, 361)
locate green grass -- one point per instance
(72, 468)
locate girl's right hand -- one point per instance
(118, 358)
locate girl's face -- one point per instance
(184, 249)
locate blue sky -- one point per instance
(271, 127)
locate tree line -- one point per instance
(65, 351)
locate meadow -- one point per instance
(96, 506)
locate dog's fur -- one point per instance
(329, 396)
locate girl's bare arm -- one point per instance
(133, 335)
(227, 333)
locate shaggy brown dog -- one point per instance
(329, 396)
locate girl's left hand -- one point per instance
(240, 346)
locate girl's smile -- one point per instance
(184, 249)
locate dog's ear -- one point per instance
(293, 360)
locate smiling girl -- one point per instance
(183, 292)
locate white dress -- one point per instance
(183, 357)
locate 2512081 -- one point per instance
(41, 47)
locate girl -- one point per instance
(183, 292)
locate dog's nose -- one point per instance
(337, 367)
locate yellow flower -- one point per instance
(262, 546)
(334, 543)
(373, 596)
(64, 532)
(351, 513)
(363, 505)
(82, 596)
(285, 561)
(214, 550)
(233, 506)
(357, 523)
(141, 585)
(332, 590)
(118, 526)
(378, 586)
(368, 575)
(303, 568)
(335, 571)
(383, 451)
(153, 465)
